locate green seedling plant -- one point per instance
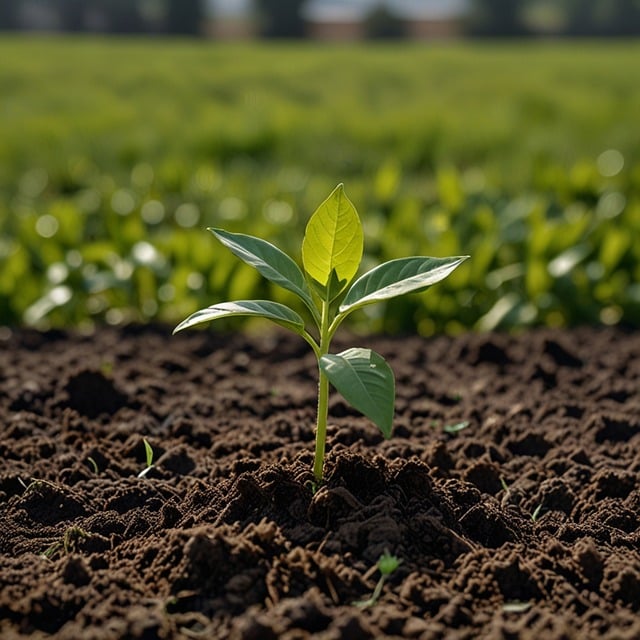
(68, 543)
(536, 513)
(36, 483)
(452, 428)
(507, 491)
(456, 427)
(332, 250)
(148, 452)
(516, 606)
(94, 465)
(386, 565)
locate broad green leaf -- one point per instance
(271, 262)
(332, 244)
(366, 381)
(397, 277)
(274, 311)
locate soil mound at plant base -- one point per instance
(510, 490)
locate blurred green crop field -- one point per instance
(115, 155)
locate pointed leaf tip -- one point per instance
(396, 278)
(269, 261)
(333, 244)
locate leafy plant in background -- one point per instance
(109, 231)
(331, 253)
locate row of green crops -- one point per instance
(116, 155)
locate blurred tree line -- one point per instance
(111, 16)
(282, 18)
(507, 18)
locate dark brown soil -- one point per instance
(524, 524)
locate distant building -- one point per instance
(335, 20)
(426, 19)
(420, 19)
(230, 19)
(244, 19)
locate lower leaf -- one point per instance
(366, 382)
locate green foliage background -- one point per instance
(115, 155)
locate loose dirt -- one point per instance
(510, 489)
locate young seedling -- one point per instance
(331, 253)
(507, 492)
(536, 513)
(149, 455)
(387, 564)
(68, 543)
(453, 428)
(35, 483)
(516, 606)
(94, 465)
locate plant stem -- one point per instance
(378, 588)
(323, 397)
(321, 426)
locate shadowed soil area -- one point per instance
(510, 489)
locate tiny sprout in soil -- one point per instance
(452, 428)
(94, 465)
(536, 513)
(148, 451)
(516, 606)
(332, 249)
(68, 542)
(387, 564)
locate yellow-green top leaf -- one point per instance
(332, 245)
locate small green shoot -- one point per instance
(332, 250)
(48, 553)
(536, 513)
(106, 368)
(455, 428)
(516, 607)
(68, 543)
(94, 465)
(507, 492)
(36, 483)
(387, 564)
(149, 455)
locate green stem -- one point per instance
(321, 426)
(334, 325)
(323, 396)
(378, 589)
